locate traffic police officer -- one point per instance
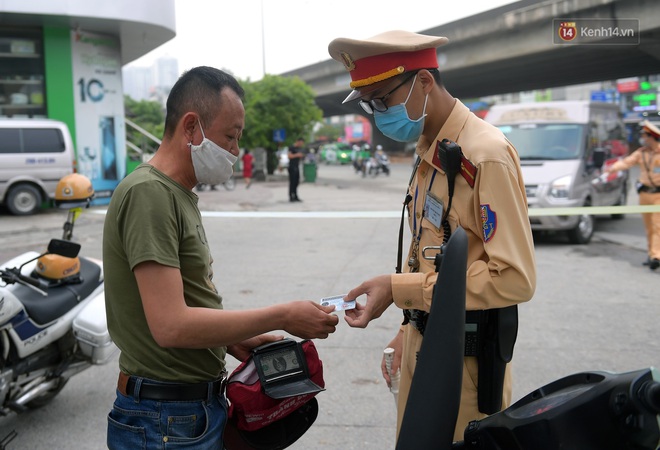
(395, 77)
(647, 157)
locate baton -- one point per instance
(394, 378)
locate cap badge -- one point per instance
(347, 60)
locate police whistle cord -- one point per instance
(394, 378)
(593, 210)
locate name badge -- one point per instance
(433, 208)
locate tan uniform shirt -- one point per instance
(501, 264)
(648, 162)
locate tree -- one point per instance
(148, 115)
(274, 103)
(328, 133)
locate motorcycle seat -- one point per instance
(61, 298)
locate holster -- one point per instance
(496, 334)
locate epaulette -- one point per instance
(468, 170)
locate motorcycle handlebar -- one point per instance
(13, 275)
(32, 281)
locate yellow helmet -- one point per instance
(73, 191)
(56, 267)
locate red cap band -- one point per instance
(373, 69)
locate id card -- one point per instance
(339, 302)
(433, 209)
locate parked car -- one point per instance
(34, 155)
(336, 153)
(563, 147)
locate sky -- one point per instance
(229, 35)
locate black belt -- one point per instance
(170, 391)
(649, 189)
(417, 318)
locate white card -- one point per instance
(339, 302)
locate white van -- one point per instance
(563, 147)
(34, 155)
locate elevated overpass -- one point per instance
(511, 49)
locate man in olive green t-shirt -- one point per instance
(164, 312)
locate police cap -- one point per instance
(384, 56)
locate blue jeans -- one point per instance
(140, 424)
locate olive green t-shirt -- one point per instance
(153, 218)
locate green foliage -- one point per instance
(329, 133)
(276, 102)
(148, 115)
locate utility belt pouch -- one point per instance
(490, 335)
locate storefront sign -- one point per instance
(99, 110)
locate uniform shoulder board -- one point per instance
(441, 160)
(468, 170)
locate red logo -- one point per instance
(567, 31)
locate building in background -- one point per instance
(63, 60)
(151, 83)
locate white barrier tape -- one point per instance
(593, 210)
(574, 211)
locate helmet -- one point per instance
(57, 268)
(379, 147)
(73, 191)
(257, 421)
(275, 436)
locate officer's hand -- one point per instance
(309, 320)
(379, 298)
(397, 345)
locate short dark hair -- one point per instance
(198, 90)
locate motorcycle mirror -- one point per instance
(64, 248)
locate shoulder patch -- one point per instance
(488, 222)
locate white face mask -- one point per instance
(212, 163)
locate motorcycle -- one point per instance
(377, 164)
(229, 185)
(52, 313)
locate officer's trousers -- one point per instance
(651, 223)
(469, 409)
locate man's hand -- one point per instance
(379, 298)
(309, 320)
(242, 350)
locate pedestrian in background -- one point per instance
(163, 308)
(647, 157)
(296, 154)
(248, 159)
(395, 77)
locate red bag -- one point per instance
(251, 409)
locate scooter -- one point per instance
(230, 184)
(378, 164)
(52, 314)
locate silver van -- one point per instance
(34, 155)
(563, 148)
